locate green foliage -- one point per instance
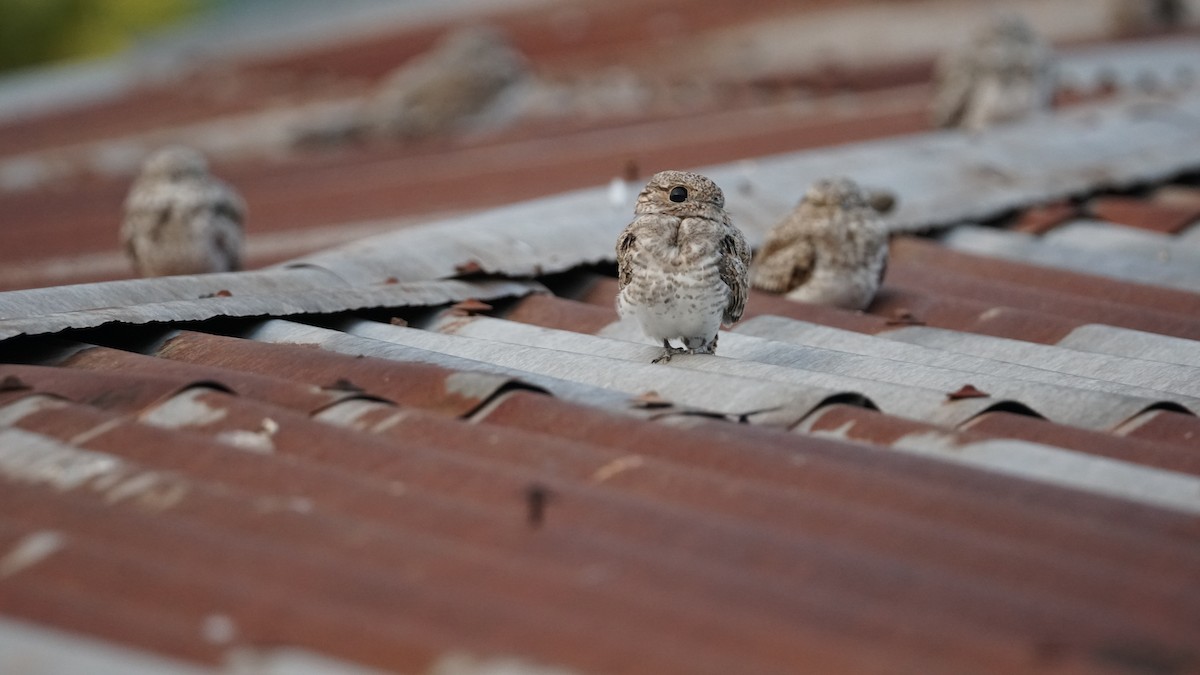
(36, 31)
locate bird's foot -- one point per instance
(668, 352)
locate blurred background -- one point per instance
(338, 120)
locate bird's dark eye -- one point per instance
(678, 193)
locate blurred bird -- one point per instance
(458, 78)
(181, 220)
(831, 249)
(682, 264)
(1004, 73)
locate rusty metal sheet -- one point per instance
(1134, 344)
(417, 384)
(978, 500)
(343, 563)
(919, 252)
(1164, 426)
(270, 562)
(1142, 376)
(1050, 301)
(304, 396)
(1153, 216)
(1126, 448)
(1044, 463)
(1099, 250)
(118, 391)
(313, 299)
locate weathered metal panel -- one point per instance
(1065, 468)
(281, 332)
(30, 649)
(1153, 249)
(315, 299)
(1163, 64)
(1051, 157)
(623, 341)
(1133, 344)
(627, 370)
(37, 302)
(1076, 368)
(999, 357)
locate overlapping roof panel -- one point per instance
(436, 450)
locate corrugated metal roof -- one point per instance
(433, 451)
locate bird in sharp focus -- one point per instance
(830, 250)
(682, 264)
(181, 220)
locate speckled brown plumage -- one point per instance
(181, 220)
(455, 80)
(682, 264)
(1003, 74)
(830, 250)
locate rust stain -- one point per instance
(468, 267)
(966, 391)
(902, 316)
(470, 306)
(650, 399)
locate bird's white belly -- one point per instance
(689, 311)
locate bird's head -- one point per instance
(680, 193)
(174, 163)
(836, 192)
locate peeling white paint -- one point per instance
(184, 410)
(31, 550)
(218, 629)
(459, 663)
(18, 410)
(32, 458)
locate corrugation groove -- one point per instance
(1144, 214)
(201, 582)
(583, 463)
(404, 383)
(271, 531)
(568, 497)
(815, 464)
(914, 305)
(275, 390)
(1164, 426)
(943, 282)
(1127, 448)
(917, 253)
(116, 390)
